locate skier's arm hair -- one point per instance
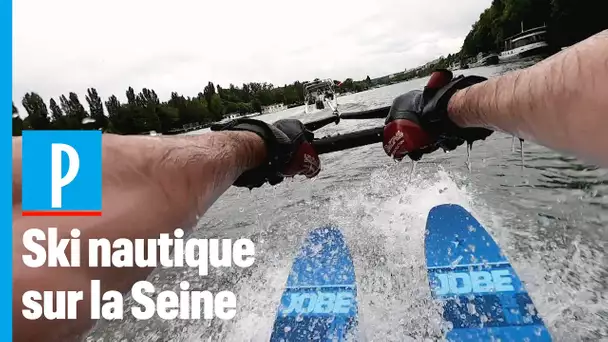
(561, 103)
(151, 185)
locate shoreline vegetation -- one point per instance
(144, 112)
(569, 21)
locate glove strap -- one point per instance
(436, 119)
(269, 170)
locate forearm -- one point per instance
(561, 103)
(150, 186)
(166, 181)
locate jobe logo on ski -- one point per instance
(319, 303)
(459, 283)
(61, 173)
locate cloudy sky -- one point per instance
(179, 45)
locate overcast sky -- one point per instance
(179, 45)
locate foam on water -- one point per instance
(385, 233)
(385, 230)
(384, 224)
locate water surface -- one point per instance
(550, 217)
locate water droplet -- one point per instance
(241, 209)
(521, 146)
(471, 309)
(412, 170)
(16, 115)
(456, 262)
(472, 229)
(469, 149)
(287, 329)
(87, 121)
(531, 309)
(513, 145)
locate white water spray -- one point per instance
(521, 149)
(469, 149)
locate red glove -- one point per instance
(418, 121)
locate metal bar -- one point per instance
(349, 140)
(318, 124)
(376, 113)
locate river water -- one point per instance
(550, 215)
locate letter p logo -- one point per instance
(57, 180)
(61, 173)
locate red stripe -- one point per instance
(61, 213)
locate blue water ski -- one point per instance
(482, 295)
(320, 300)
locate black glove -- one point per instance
(418, 121)
(288, 147)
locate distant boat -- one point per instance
(484, 60)
(320, 93)
(454, 67)
(528, 43)
(277, 107)
(458, 66)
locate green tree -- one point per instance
(168, 116)
(56, 112)
(74, 110)
(569, 21)
(147, 97)
(130, 96)
(256, 106)
(246, 93)
(38, 114)
(112, 105)
(96, 109)
(209, 91)
(59, 120)
(216, 108)
(575, 20)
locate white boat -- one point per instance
(277, 107)
(484, 60)
(454, 67)
(528, 43)
(321, 94)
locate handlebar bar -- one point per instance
(346, 141)
(349, 140)
(376, 113)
